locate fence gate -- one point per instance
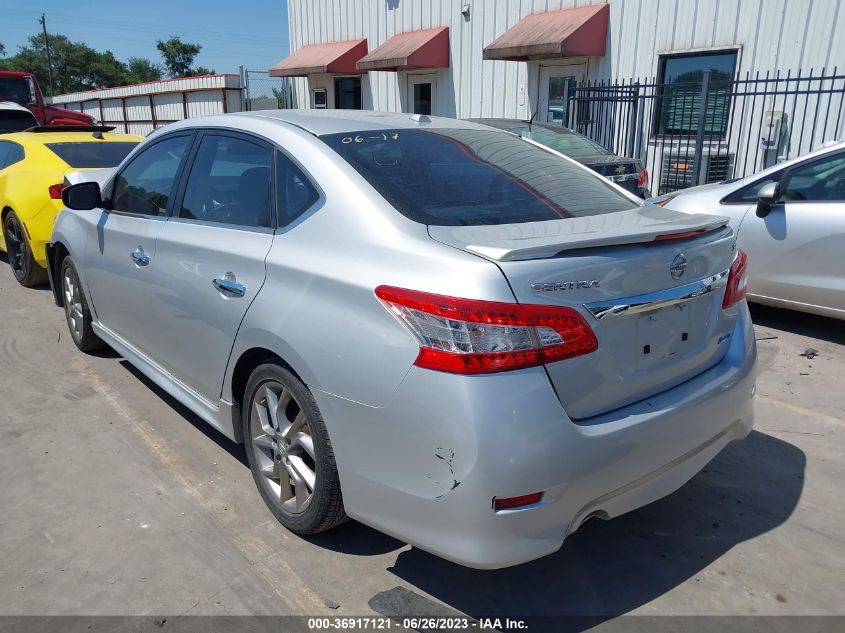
(710, 127)
(263, 92)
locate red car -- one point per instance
(22, 88)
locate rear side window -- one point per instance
(230, 183)
(10, 153)
(92, 155)
(146, 184)
(460, 177)
(295, 192)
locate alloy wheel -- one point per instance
(284, 448)
(73, 303)
(15, 248)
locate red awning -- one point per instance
(334, 57)
(428, 48)
(554, 34)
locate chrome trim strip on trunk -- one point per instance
(656, 300)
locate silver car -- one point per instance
(790, 219)
(446, 332)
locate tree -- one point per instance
(179, 56)
(140, 70)
(2, 50)
(76, 66)
(281, 97)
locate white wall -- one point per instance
(773, 35)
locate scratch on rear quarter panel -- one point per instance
(441, 454)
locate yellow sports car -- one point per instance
(33, 165)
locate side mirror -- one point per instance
(766, 198)
(82, 197)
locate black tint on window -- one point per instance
(92, 155)
(145, 185)
(16, 120)
(15, 89)
(230, 183)
(457, 177)
(10, 153)
(294, 190)
(822, 180)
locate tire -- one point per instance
(76, 309)
(26, 270)
(277, 448)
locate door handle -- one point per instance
(140, 257)
(227, 286)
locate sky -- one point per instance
(252, 33)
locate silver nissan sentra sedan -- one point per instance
(456, 336)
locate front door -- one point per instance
(211, 256)
(421, 93)
(121, 260)
(556, 83)
(795, 252)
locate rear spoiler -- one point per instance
(539, 240)
(70, 128)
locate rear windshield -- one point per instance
(461, 177)
(15, 121)
(93, 154)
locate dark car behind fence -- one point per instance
(707, 127)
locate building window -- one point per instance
(347, 93)
(678, 102)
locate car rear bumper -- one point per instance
(427, 467)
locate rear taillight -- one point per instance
(737, 280)
(467, 336)
(642, 178)
(56, 191)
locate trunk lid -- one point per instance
(658, 323)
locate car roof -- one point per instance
(44, 138)
(321, 122)
(11, 105)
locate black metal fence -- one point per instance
(263, 92)
(705, 127)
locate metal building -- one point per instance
(627, 73)
(141, 108)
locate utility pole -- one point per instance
(43, 23)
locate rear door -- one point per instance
(120, 260)
(795, 252)
(211, 256)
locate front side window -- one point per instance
(92, 155)
(678, 100)
(230, 183)
(459, 177)
(820, 181)
(145, 186)
(750, 193)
